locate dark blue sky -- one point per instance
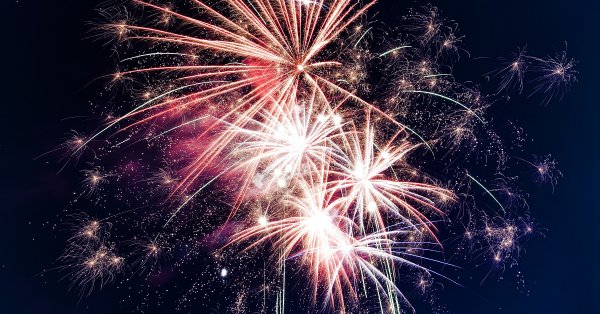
(47, 63)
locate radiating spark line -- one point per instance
(393, 50)
(158, 54)
(362, 36)
(446, 98)
(180, 126)
(487, 191)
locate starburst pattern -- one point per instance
(270, 108)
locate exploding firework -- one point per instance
(270, 108)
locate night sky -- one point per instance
(49, 75)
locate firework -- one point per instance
(554, 74)
(261, 105)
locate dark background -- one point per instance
(46, 65)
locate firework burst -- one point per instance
(260, 105)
